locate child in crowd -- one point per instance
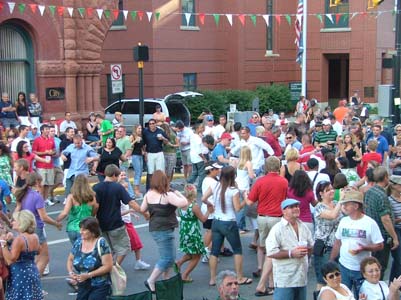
(190, 233)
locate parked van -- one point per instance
(173, 106)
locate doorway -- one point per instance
(338, 77)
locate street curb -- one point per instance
(61, 190)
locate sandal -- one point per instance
(267, 292)
(189, 280)
(245, 281)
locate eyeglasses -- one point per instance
(373, 271)
(335, 274)
(255, 117)
(153, 123)
(398, 130)
(288, 137)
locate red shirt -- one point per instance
(273, 142)
(367, 157)
(269, 191)
(41, 144)
(304, 159)
(29, 158)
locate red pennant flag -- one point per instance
(278, 19)
(60, 10)
(116, 12)
(89, 11)
(364, 13)
(33, 7)
(242, 19)
(202, 18)
(140, 15)
(338, 17)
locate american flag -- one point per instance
(298, 31)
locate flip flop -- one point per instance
(267, 292)
(212, 284)
(245, 281)
(189, 280)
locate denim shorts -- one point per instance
(165, 244)
(290, 293)
(41, 235)
(228, 230)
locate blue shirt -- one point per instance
(153, 144)
(78, 159)
(7, 114)
(382, 145)
(56, 160)
(218, 151)
(4, 191)
(31, 137)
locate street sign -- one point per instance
(116, 75)
(116, 72)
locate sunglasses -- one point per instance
(335, 274)
(288, 137)
(152, 123)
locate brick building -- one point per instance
(75, 54)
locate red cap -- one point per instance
(226, 135)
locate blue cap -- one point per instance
(209, 118)
(288, 202)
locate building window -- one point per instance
(120, 19)
(269, 30)
(188, 6)
(16, 61)
(114, 97)
(190, 81)
(342, 8)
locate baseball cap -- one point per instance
(226, 135)
(326, 122)
(284, 122)
(213, 166)
(209, 118)
(52, 118)
(351, 196)
(396, 179)
(288, 202)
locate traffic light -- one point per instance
(336, 2)
(374, 3)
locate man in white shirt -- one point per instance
(184, 135)
(337, 127)
(198, 159)
(67, 123)
(209, 126)
(23, 132)
(221, 128)
(314, 175)
(257, 145)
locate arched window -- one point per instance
(16, 61)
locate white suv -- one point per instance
(172, 106)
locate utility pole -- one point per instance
(397, 61)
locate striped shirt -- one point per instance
(396, 210)
(324, 137)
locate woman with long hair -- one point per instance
(162, 203)
(300, 188)
(170, 150)
(6, 164)
(288, 169)
(331, 168)
(92, 129)
(327, 217)
(23, 152)
(226, 200)
(28, 198)
(81, 203)
(348, 149)
(22, 110)
(137, 157)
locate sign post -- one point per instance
(116, 78)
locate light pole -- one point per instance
(141, 54)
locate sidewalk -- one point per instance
(93, 180)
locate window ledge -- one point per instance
(118, 27)
(269, 53)
(189, 28)
(342, 29)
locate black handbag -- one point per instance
(319, 248)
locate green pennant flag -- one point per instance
(81, 11)
(253, 18)
(157, 15)
(107, 13)
(216, 18)
(346, 17)
(21, 7)
(319, 17)
(52, 9)
(288, 18)
(133, 15)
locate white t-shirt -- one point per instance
(126, 218)
(229, 214)
(373, 291)
(209, 130)
(218, 131)
(15, 142)
(353, 232)
(196, 148)
(320, 177)
(206, 183)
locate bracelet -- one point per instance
(289, 253)
(71, 273)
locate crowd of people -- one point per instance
(323, 188)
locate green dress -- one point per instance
(5, 169)
(78, 213)
(190, 233)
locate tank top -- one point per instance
(242, 180)
(77, 213)
(339, 296)
(162, 216)
(94, 133)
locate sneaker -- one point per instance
(49, 202)
(141, 265)
(205, 259)
(46, 271)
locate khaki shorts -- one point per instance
(186, 157)
(58, 176)
(47, 176)
(118, 241)
(265, 224)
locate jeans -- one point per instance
(88, 292)
(383, 256)
(137, 164)
(73, 236)
(228, 230)
(319, 261)
(92, 138)
(130, 189)
(290, 293)
(352, 279)
(165, 243)
(198, 170)
(68, 184)
(100, 177)
(396, 254)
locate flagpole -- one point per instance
(304, 31)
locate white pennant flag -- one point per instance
(187, 18)
(11, 6)
(353, 15)
(125, 12)
(230, 19)
(149, 13)
(330, 17)
(99, 13)
(70, 11)
(266, 18)
(41, 9)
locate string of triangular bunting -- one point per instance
(89, 12)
